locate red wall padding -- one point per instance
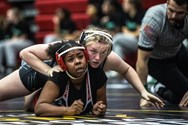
(3, 7)
(45, 21)
(46, 9)
(49, 6)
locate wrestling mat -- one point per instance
(123, 109)
(133, 117)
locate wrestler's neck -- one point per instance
(78, 82)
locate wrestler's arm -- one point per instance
(101, 94)
(34, 56)
(115, 63)
(100, 106)
(44, 105)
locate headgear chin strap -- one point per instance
(72, 77)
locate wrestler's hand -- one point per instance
(184, 100)
(54, 69)
(145, 103)
(76, 107)
(99, 108)
(153, 99)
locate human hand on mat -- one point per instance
(151, 99)
(76, 107)
(184, 100)
(99, 108)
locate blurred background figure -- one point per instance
(94, 12)
(112, 13)
(2, 27)
(126, 42)
(17, 36)
(64, 26)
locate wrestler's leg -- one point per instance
(30, 100)
(11, 87)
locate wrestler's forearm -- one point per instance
(34, 57)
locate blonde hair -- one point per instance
(91, 35)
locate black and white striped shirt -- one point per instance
(158, 36)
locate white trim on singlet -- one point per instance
(89, 97)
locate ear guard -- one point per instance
(68, 46)
(60, 61)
